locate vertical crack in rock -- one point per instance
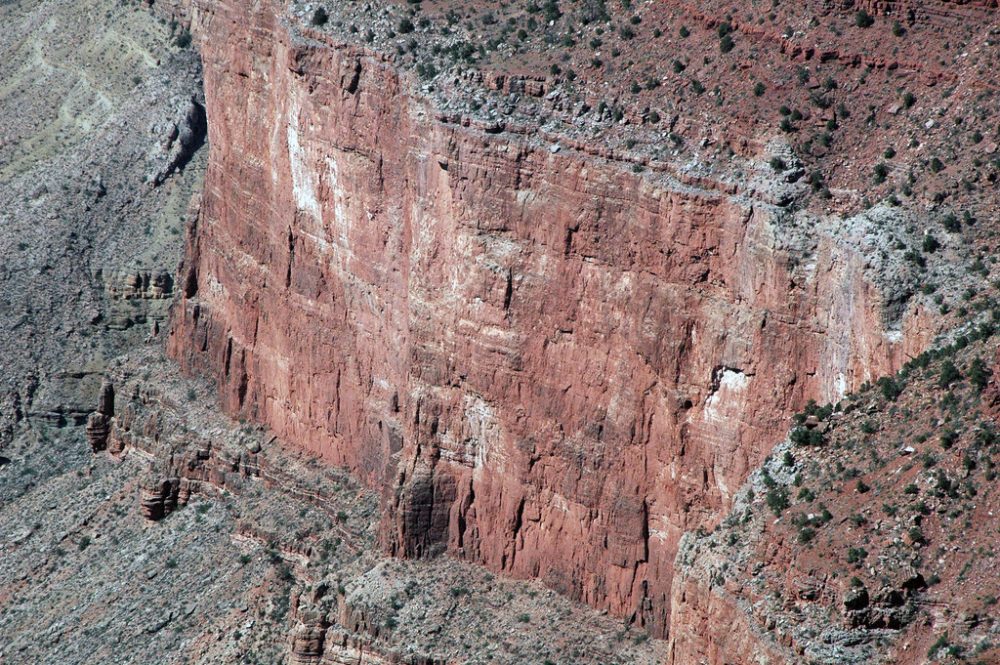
(291, 258)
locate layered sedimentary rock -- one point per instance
(183, 463)
(946, 11)
(841, 575)
(550, 364)
(98, 425)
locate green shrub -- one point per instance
(979, 374)
(916, 258)
(890, 388)
(881, 172)
(777, 500)
(803, 436)
(551, 11)
(949, 374)
(320, 17)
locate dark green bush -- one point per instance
(890, 388)
(949, 374)
(803, 436)
(320, 17)
(777, 500)
(979, 373)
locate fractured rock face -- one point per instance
(308, 643)
(182, 135)
(99, 422)
(98, 427)
(549, 364)
(158, 498)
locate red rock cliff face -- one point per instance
(551, 365)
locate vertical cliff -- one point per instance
(548, 363)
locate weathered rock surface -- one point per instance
(273, 558)
(549, 364)
(854, 551)
(552, 297)
(87, 249)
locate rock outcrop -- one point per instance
(184, 463)
(549, 364)
(824, 557)
(182, 135)
(99, 422)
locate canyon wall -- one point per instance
(549, 364)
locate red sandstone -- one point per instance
(550, 365)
